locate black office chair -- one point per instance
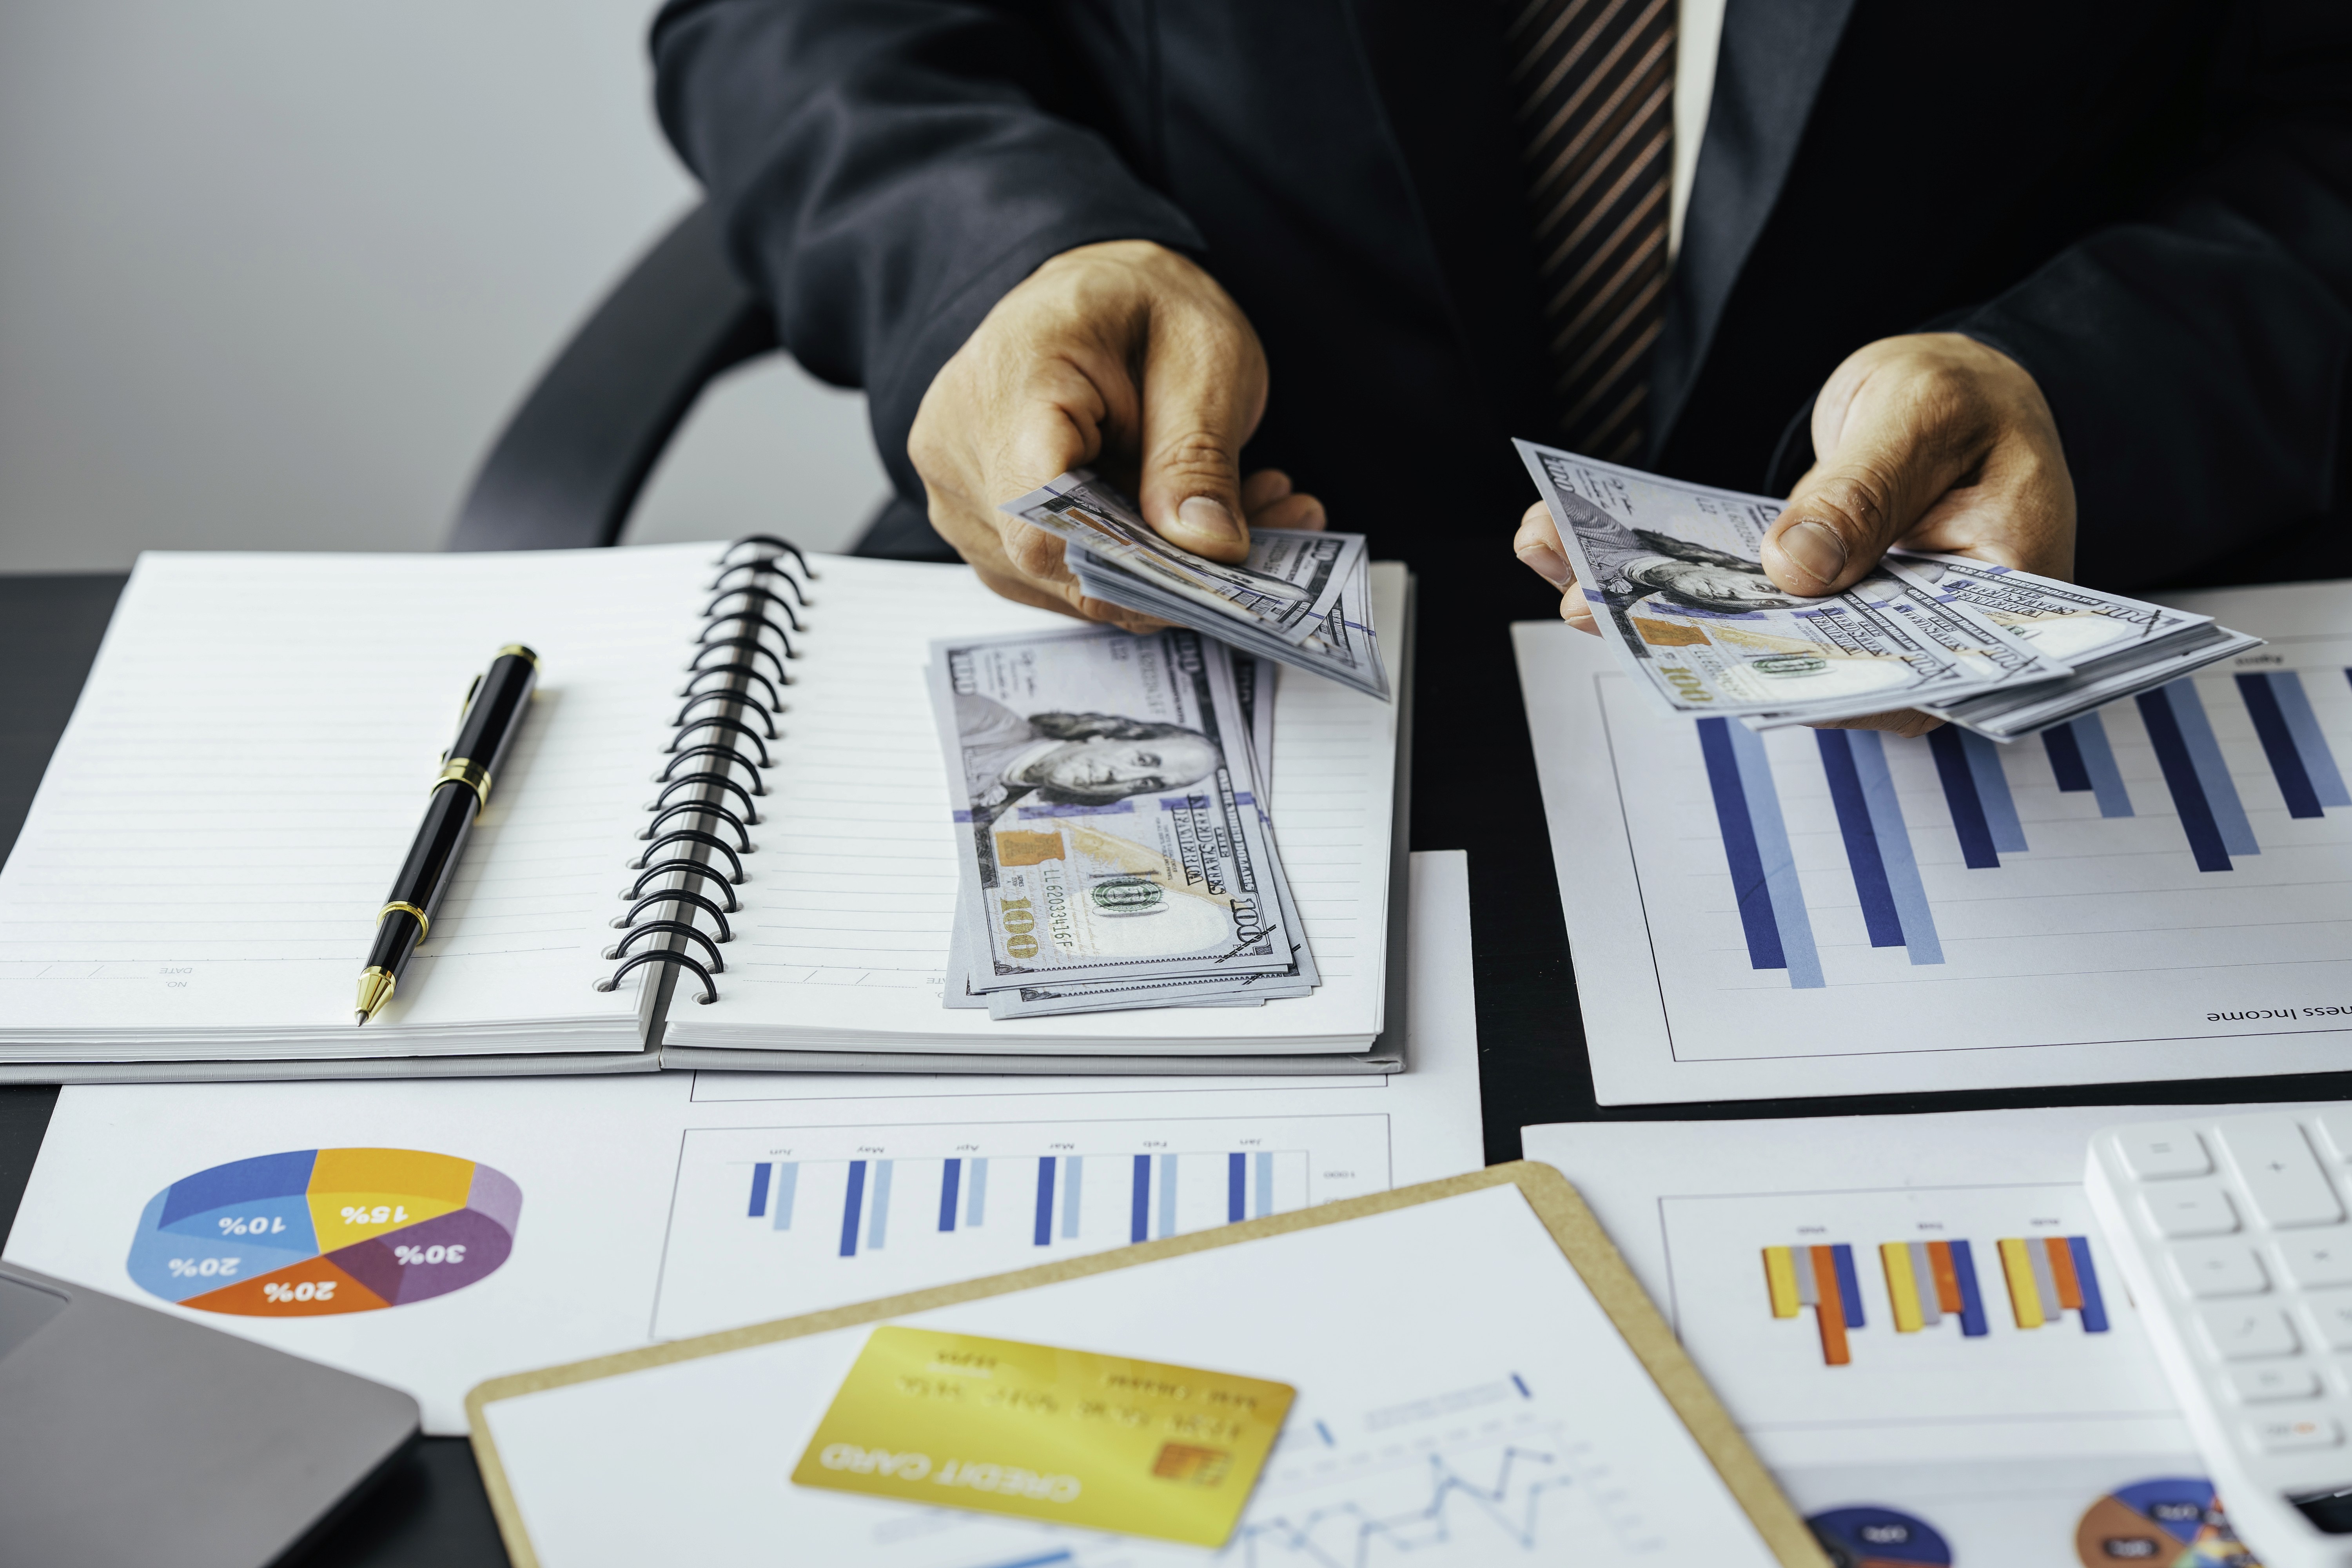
(566, 471)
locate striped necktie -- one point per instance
(1592, 90)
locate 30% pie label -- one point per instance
(1095, 1442)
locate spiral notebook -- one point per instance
(727, 741)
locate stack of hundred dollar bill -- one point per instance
(1674, 574)
(1114, 846)
(1300, 598)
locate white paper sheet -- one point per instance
(634, 1220)
(2003, 1443)
(1461, 1401)
(1820, 913)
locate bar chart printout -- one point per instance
(1820, 1278)
(770, 1221)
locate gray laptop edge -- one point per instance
(132, 1436)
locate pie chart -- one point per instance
(2172, 1521)
(321, 1231)
(1879, 1537)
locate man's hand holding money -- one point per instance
(1122, 356)
(1933, 441)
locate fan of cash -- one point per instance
(1300, 598)
(1111, 821)
(1674, 574)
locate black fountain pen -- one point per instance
(494, 710)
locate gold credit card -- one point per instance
(1097, 1442)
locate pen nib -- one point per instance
(375, 990)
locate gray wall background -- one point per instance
(273, 273)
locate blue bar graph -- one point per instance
(877, 1220)
(1073, 1172)
(1167, 1195)
(1861, 836)
(1992, 792)
(1236, 1187)
(1265, 1184)
(1138, 1216)
(1756, 842)
(788, 1181)
(2299, 756)
(1045, 1232)
(2201, 817)
(2081, 760)
(1964, 1273)
(950, 1178)
(2095, 1305)
(1848, 1287)
(975, 1202)
(759, 1190)
(2212, 771)
(850, 1207)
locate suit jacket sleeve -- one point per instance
(2197, 361)
(887, 170)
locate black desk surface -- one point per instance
(1474, 789)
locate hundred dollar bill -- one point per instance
(1995, 655)
(1674, 574)
(1253, 693)
(1287, 585)
(1100, 782)
(1302, 598)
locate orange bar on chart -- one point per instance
(1947, 1278)
(1829, 1307)
(2061, 1271)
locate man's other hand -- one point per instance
(1932, 441)
(1123, 356)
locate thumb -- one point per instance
(1204, 391)
(1887, 457)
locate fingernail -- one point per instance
(1816, 549)
(1546, 563)
(1208, 519)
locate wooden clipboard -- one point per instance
(1556, 1203)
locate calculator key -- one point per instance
(2263, 1384)
(2313, 1261)
(2332, 1311)
(2198, 1208)
(2218, 1268)
(2289, 1433)
(2247, 1333)
(2163, 1149)
(2282, 1178)
(2335, 1127)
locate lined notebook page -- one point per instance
(249, 762)
(848, 916)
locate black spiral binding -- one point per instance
(715, 768)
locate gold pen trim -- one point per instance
(472, 775)
(376, 985)
(519, 651)
(424, 921)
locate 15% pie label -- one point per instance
(1095, 1442)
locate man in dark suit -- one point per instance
(2040, 261)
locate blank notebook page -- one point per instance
(249, 762)
(843, 935)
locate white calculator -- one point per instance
(2234, 1235)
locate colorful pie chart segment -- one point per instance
(1879, 1537)
(2173, 1521)
(320, 1231)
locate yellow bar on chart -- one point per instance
(2024, 1299)
(1902, 1287)
(1780, 1278)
